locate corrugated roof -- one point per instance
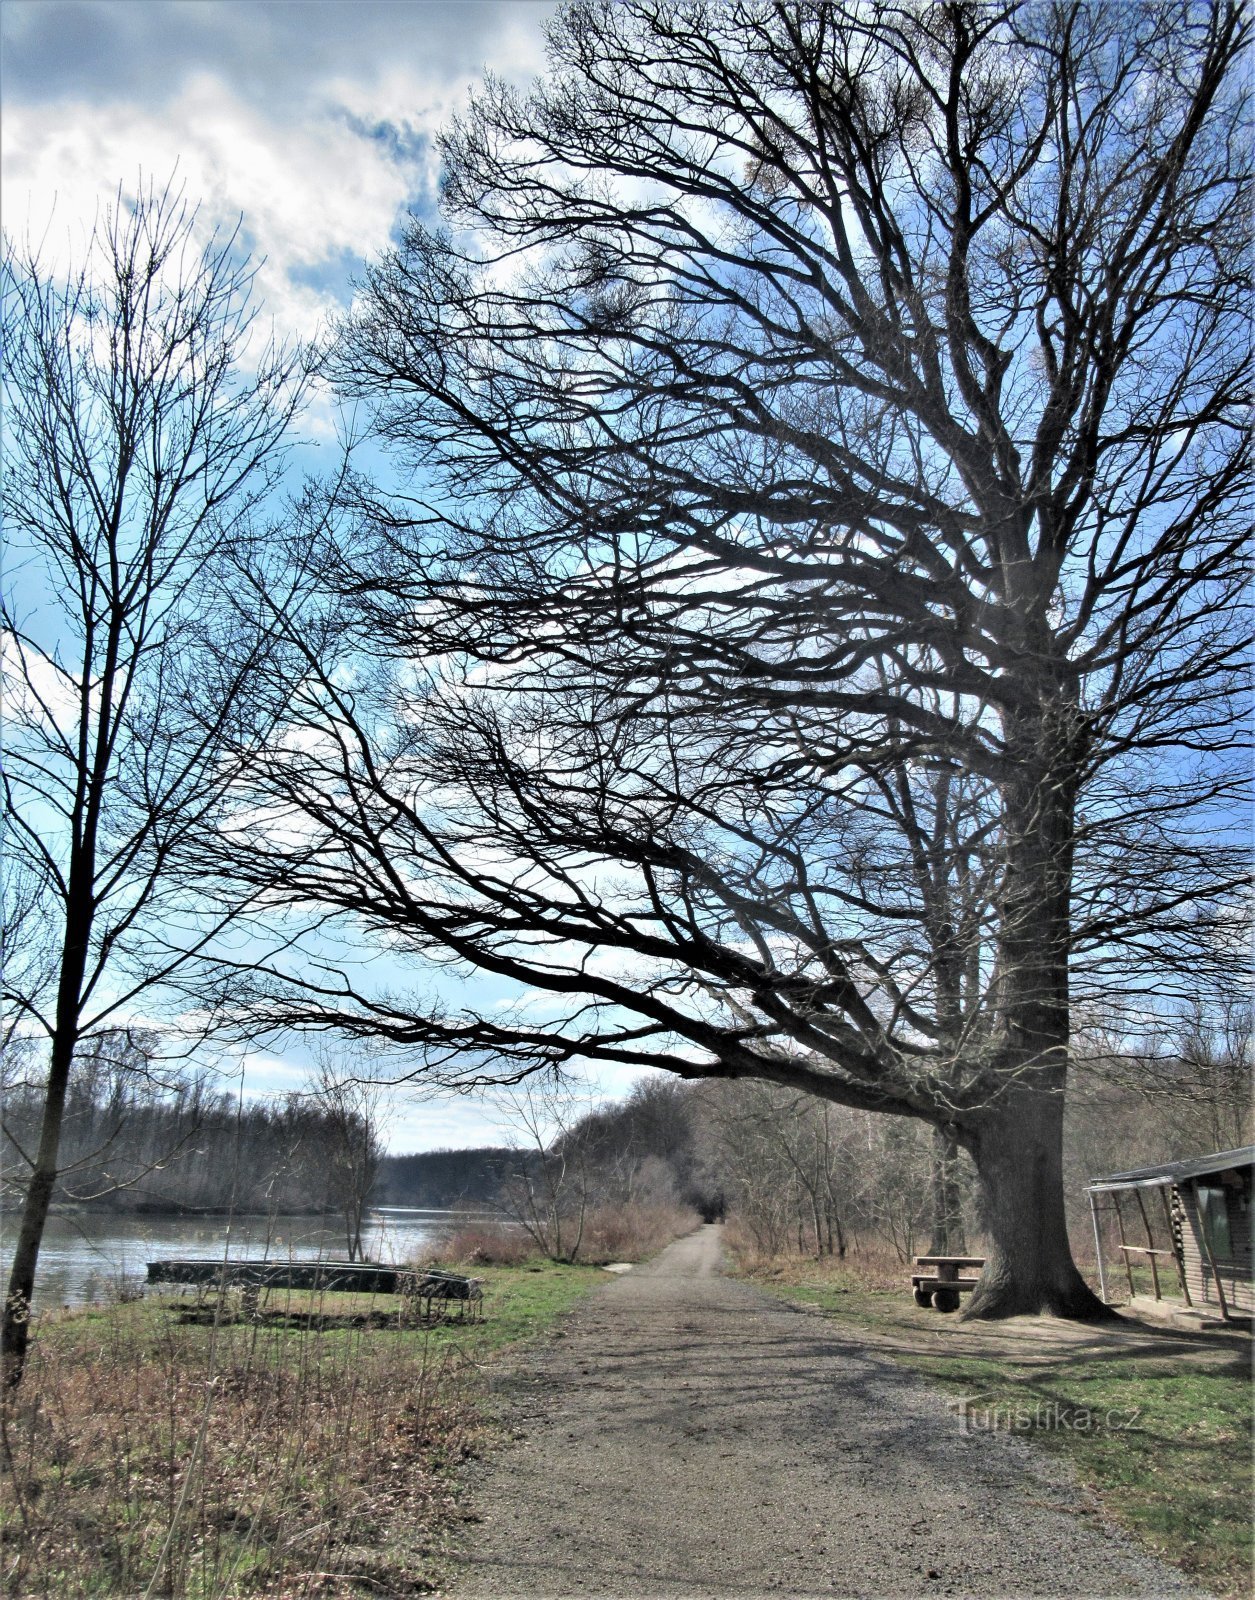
(1172, 1171)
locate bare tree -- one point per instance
(818, 657)
(350, 1104)
(547, 1193)
(1191, 1076)
(142, 434)
(949, 1232)
(781, 1159)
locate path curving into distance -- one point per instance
(687, 1435)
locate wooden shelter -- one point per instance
(1191, 1222)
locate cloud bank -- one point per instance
(315, 123)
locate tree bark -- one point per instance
(1018, 1150)
(15, 1339)
(1016, 1138)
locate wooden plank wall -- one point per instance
(1234, 1269)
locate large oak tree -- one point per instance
(803, 641)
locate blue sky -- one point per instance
(314, 119)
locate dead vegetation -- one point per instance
(610, 1233)
(145, 1458)
(869, 1263)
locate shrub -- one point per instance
(632, 1232)
(483, 1245)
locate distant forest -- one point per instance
(444, 1179)
(144, 1134)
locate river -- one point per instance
(90, 1256)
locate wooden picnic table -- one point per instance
(940, 1284)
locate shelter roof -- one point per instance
(1174, 1171)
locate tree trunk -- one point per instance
(1029, 1269)
(834, 1222)
(949, 1237)
(17, 1305)
(1016, 1138)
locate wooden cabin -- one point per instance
(1189, 1222)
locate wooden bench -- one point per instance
(942, 1287)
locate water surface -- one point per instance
(90, 1256)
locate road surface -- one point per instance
(687, 1435)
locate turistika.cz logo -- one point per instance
(982, 1413)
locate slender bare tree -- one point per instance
(548, 1191)
(349, 1101)
(807, 644)
(142, 435)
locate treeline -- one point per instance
(146, 1134)
(445, 1179)
(800, 1174)
(807, 1176)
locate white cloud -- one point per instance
(318, 196)
(316, 124)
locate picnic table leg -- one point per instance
(946, 1299)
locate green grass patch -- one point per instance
(521, 1303)
(1160, 1431)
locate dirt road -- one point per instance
(685, 1435)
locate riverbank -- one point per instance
(90, 1255)
(291, 1455)
(1155, 1424)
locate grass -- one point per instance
(306, 1444)
(1157, 1427)
(311, 1448)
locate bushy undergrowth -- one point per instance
(868, 1263)
(631, 1233)
(481, 1244)
(610, 1233)
(142, 1457)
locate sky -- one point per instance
(314, 121)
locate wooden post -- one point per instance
(1128, 1270)
(1211, 1260)
(1172, 1239)
(1102, 1276)
(1150, 1243)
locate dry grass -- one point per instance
(481, 1244)
(871, 1263)
(632, 1233)
(145, 1458)
(868, 1264)
(611, 1233)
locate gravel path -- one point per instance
(685, 1435)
